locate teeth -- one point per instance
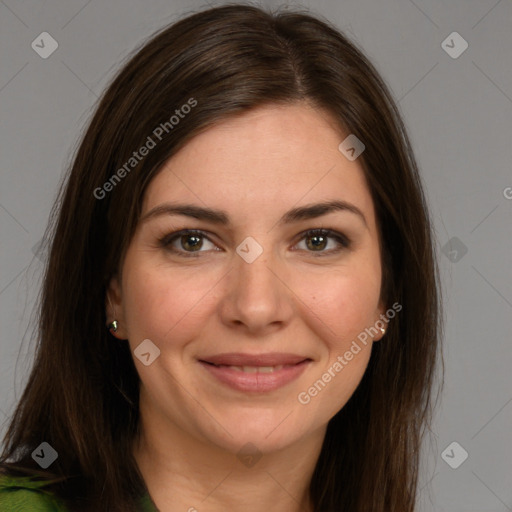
(269, 369)
(254, 369)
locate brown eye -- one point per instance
(191, 242)
(186, 242)
(318, 240)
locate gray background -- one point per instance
(459, 116)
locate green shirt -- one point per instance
(22, 494)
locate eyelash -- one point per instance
(342, 240)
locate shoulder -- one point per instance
(19, 494)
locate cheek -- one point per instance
(160, 300)
(341, 306)
(343, 302)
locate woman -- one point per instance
(241, 306)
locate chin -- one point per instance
(268, 431)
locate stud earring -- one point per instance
(112, 326)
(383, 331)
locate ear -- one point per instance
(381, 320)
(114, 308)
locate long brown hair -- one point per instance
(82, 393)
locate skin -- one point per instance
(255, 167)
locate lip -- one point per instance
(241, 359)
(257, 382)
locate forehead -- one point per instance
(266, 160)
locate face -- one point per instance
(251, 317)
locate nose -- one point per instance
(257, 298)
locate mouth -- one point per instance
(255, 373)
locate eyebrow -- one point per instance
(220, 217)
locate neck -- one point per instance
(187, 474)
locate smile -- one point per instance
(255, 378)
(253, 369)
